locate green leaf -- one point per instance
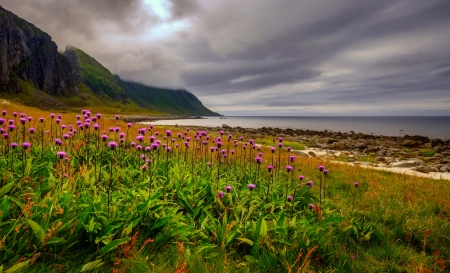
(55, 240)
(113, 245)
(245, 240)
(5, 189)
(92, 265)
(333, 220)
(37, 229)
(18, 266)
(263, 230)
(161, 222)
(205, 247)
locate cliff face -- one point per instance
(29, 54)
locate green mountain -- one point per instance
(104, 84)
(33, 72)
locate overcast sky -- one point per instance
(267, 57)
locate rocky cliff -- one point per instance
(29, 54)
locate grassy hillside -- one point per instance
(109, 88)
(177, 102)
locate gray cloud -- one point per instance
(269, 57)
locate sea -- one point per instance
(430, 126)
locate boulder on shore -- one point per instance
(413, 162)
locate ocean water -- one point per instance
(430, 126)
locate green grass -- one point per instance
(55, 215)
(274, 142)
(427, 152)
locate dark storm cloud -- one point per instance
(183, 8)
(269, 57)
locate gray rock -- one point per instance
(444, 169)
(351, 159)
(301, 154)
(380, 158)
(312, 154)
(422, 169)
(441, 156)
(225, 126)
(339, 146)
(411, 143)
(360, 145)
(413, 162)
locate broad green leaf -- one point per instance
(18, 266)
(37, 229)
(92, 265)
(113, 245)
(263, 230)
(5, 189)
(161, 222)
(333, 220)
(205, 247)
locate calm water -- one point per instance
(432, 127)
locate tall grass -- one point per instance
(97, 209)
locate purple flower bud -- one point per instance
(301, 177)
(61, 154)
(356, 184)
(309, 184)
(292, 158)
(280, 139)
(289, 168)
(13, 145)
(258, 160)
(290, 198)
(220, 194)
(273, 149)
(269, 168)
(113, 145)
(312, 206)
(26, 145)
(228, 188)
(321, 168)
(117, 117)
(251, 186)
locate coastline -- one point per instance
(408, 154)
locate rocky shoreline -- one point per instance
(155, 118)
(416, 153)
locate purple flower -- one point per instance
(169, 133)
(13, 145)
(96, 126)
(269, 168)
(251, 186)
(61, 154)
(312, 206)
(41, 119)
(301, 177)
(139, 138)
(4, 112)
(209, 164)
(273, 149)
(309, 184)
(15, 114)
(66, 136)
(99, 115)
(78, 117)
(144, 167)
(2, 120)
(292, 158)
(288, 149)
(113, 145)
(139, 147)
(321, 168)
(23, 120)
(258, 160)
(26, 145)
(280, 145)
(290, 198)
(117, 117)
(30, 118)
(356, 184)
(228, 188)
(155, 146)
(104, 137)
(11, 127)
(289, 168)
(280, 139)
(220, 194)
(5, 135)
(32, 130)
(325, 172)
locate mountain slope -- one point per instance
(102, 82)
